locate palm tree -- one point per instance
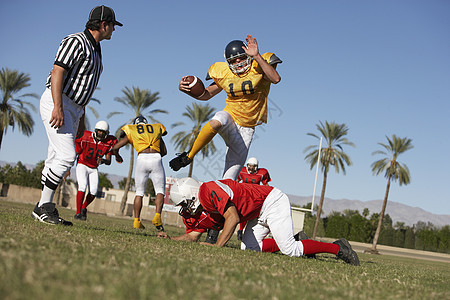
(332, 155)
(14, 111)
(139, 101)
(393, 170)
(198, 114)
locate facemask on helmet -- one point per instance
(252, 165)
(238, 61)
(184, 193)
(140, 120)
(101, 130)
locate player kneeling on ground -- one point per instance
(266, 209)
(90, 148)
(147, 140)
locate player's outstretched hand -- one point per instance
(184, 85)
(163, 235)
(252, 45)
(206, 244)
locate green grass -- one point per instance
(104, 258)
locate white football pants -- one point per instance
(238, 140)
(87, 176)
(275, 217)
(61, 153)
(149, 164)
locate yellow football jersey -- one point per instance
(142, 136)
(246, 94)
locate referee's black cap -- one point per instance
(104, 13)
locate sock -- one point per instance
(89, 199)
(157, 220)
(269, 245)
(46, 196)
(204, 137)
(80, 198)
(43, 179)
(313, 247)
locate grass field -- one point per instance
(104, 258)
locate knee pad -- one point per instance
(223, 117)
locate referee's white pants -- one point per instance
(149, 164)
(61, 147)
(275, 217)
(238, 140)
(87, 176)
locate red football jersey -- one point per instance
(89, 150)
(247, 198)
(200, 222)
(260, 176)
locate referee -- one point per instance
(70, 85)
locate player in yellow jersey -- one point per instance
(147, 140)
(246, 77)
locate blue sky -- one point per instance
(381, 67)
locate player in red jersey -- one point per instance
(91, 147)
(266, 209)
(196, 220)
(255, 175)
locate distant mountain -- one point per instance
(397, 211)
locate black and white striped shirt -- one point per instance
(80, 55)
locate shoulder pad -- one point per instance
(274, 60)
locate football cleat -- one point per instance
(83, 214)
(346, 253)
(77, 217)
(160, 228)
(138, 225)
(48, 214)
(181, 161)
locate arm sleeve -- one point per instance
(69, 52)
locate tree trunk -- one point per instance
(127, 184)
(380, 221)
(319, 210)
(191, 168)
(1, 138)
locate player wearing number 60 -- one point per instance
(246, 77)
(90, 148)
(147, 140)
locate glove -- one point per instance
(157, 222)
(211, 236)
(239, 235)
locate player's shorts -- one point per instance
(238, 140)
(149, 165)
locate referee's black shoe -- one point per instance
(181, 161)
(48, 214)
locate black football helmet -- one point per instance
(233, 51)
(140, 120)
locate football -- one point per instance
(196, 85)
